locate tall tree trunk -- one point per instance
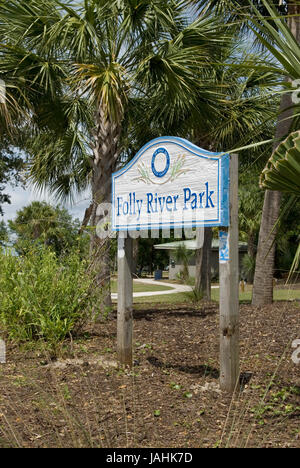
(135, 255)
(203, 255)
(251, 244)
(203, 266)
(251, 254)
(106, 151)
(265, 259)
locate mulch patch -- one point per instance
(171, 397)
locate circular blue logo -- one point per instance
(164, 172)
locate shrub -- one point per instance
(248, 267)
(43, 297)
(195, 295)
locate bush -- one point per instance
(248, 268)
(195, 295)
(43, 297)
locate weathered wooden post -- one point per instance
(229, 290)
(125, 299)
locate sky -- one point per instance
(21, 198)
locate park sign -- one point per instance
(171, 183)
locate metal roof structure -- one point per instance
(192, 245)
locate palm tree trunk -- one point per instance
(203, 266)
(135, 255)
(265, 260)
(251, 251)
(203, 256)
(106, 151)
(251, 244)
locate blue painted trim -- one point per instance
(225, 186)
(164, 226)
(223, 173)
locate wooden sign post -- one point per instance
(125, 300)
(172, 183)
(229, 290)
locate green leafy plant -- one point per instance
(282, 171)
(175, 386)
(42, 224)
(248, 267)
(183, 256)
(279, 403)
(195, 295)
(43, 298)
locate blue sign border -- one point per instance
(223, 158)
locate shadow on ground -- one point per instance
(149, 314)
(201, 370)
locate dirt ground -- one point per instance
(171, 397)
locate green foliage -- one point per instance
(195, 295)
(42, 297)
(183, 256)
(249, 267)
(279, 403)
(277, 37)
(284, 46)
(68, 61)
(288, 234)
(42, 224)
(288, 245)
(175, 386)
(148, 257)
(250, 211)
(282, 171)
(3, 234)
(251, 199)
(10, 166)
(144, 62)
(237, 9)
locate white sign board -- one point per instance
(171, 183)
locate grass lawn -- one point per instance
(139, 287)
(245, 297)
(279, 294)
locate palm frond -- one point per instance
(282, 171)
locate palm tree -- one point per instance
(239, 10)
(118, 55)
(263, 278)
(253, 14)
(41, 223)
(247, 115)
(282, 171)
(183, 257)
(39, 115)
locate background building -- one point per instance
(175, 268)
